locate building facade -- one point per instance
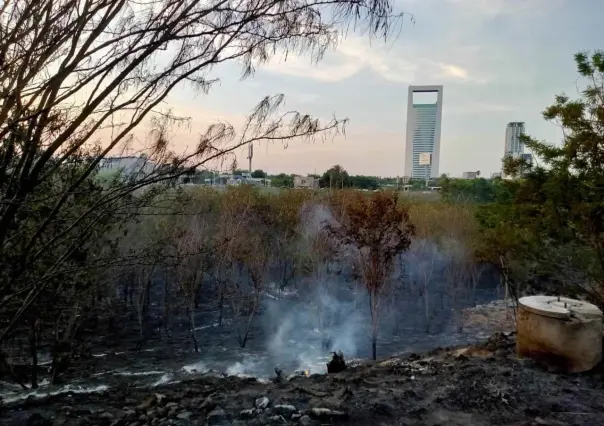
(306, 182)
(470, 175)
(514, 147)
(513, 144)
(423, 133)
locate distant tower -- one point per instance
(250, 155)
(514, 147)
(513, 143)
(423, 133)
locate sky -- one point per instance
(499, 61)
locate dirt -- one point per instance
(484, 384)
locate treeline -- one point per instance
(176, 247)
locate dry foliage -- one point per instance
(373, 230)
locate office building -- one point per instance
(423, 133)
(513, 144)
(470, 175)
(514, 147)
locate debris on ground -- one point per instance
(477, 385)
(337, 363)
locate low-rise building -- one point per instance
(306, 182)
(470, 175)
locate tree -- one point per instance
(72, 69)
(335, 177)
(555, 208)
(373, 231)
(282, 181)
(258, 174)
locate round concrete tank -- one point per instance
(562, 332)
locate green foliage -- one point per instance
(472, 190)
(258, 174)
(555, 217)
(282, 181)
(335, 177)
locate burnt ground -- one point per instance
(484, 384)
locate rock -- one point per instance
(247, 414)
(147, 403)
(326, 413)
(384, 408)
(262, 403)
(216, 416)
(286, 410)
(38, 419)
(106, 416)
(278, 420)
(185, 415)
(337, 363)
(207, 404)
(171, 405)
(305, 421)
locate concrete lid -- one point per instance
(559, 307)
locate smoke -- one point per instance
(328, 309)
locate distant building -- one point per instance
(514, 147)
(423, 133)
(128, 166)
(305, 182)
(495, 175)
(513, 144)
(470, 175)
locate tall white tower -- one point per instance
(250, 155)
(423, 133)
(514, 147)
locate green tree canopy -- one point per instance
(557, 206)
(258, 174)
(335, 177)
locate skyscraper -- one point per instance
(514, 147)
(513, 144)
(423, 133)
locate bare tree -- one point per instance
(72, 69)
(423, 255)
(193, 254)
(374, 230)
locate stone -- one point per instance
(38, 419)
(147, 403)
(185, 415)
(216, 416)
(278, 420)
(262, 403)
(305, 421)
(207, 404)
(326, 413)
(284, 409)
(106, 416)
(171, 405)
(247, 414)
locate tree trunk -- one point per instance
(166, 318)
(374, 347)
(220, 307)
(192, 326)
(243, 340)
(33, 348)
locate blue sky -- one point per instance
(499, 61)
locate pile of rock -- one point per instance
(283, 414)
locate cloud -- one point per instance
(454, 71)
(399, 62)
